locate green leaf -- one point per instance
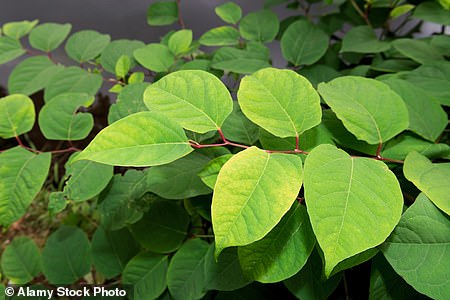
(115, 50)
(400, 147)
(280, 101)
(21, 260)
(85, 179)
(16, 115)
(309, 283)
(32, 75)
(140, 139)
(432, 12)
(111, 251)
(118, 203)
(22, 175)
(417, 50)
(17, 30)
(366, 107)
(303, 43)
(426, 116)
(180, 41)
(186, 277)
(401, 10)
(239, 61)
(66, 255)
(122, 66)
(72, 80)
(155, 57)
(354, 260)
(225, 274)
(129, 101)
(147, 273)
(136, 77)
(267, 183)
(386, 284)
(319, 73)
(238, 128)
(48, 36)
(220, 36)
(196, 99)
(283, 251)
(433, 78)
(211, 170)
(179, 179)
(56, 202)
(260, 26)
(163, 228)
(59, 120)
(229, 12)
(86, 45)
(432, 179)
(10, 49)
(353, 203)
(162, 13)
(362, 39)
(419, 247)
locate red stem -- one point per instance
(180, 17)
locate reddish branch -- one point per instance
(70, 149)
(180, 17)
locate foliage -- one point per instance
(216, 171)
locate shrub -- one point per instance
(303, 178)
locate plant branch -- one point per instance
(180, 17)
(21, 144)
(361, 13)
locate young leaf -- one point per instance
(401, 146)
(419, 247)
(283, 251)
(426, 116)
(220, 36)
(17, 30)
(162, 13)
(196, 99)
(186, 277)
(111, 251)
(362, 39)
(432, 179)
(147, 273)
(163, 228)
(22, 175)
(155, 57)
(267, 185)
(21, 260)
(59, 120)
(72, 80)
(136, 77)
(66, 255)
(225, 274)
(353, 203)
(10, 49)
(261, 26)
(86, 45)
(122, 66)
(16, 115)
(280, 101)
(115, 50)
(141, 139)
(303, 43)
(180, 41)
(32, 75)
(230, 12)
(179, 179)
(48, 36)
(85, 179)
(366, 107)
